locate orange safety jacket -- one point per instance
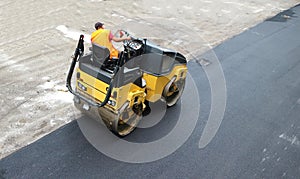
(101, 37)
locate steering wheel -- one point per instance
(134, 44)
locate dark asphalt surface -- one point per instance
(259, 136)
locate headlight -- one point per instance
(111, 102)
(81, 86)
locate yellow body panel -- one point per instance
(91, 85)
(96, 89)
(156, 84)
(93, 82)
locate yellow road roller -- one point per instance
(119, 91)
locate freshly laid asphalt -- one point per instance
(259, 136)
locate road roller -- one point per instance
(118, 91)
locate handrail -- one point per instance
(78, 53)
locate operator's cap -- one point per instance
(98, 24)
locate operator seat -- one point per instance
(100, 55)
